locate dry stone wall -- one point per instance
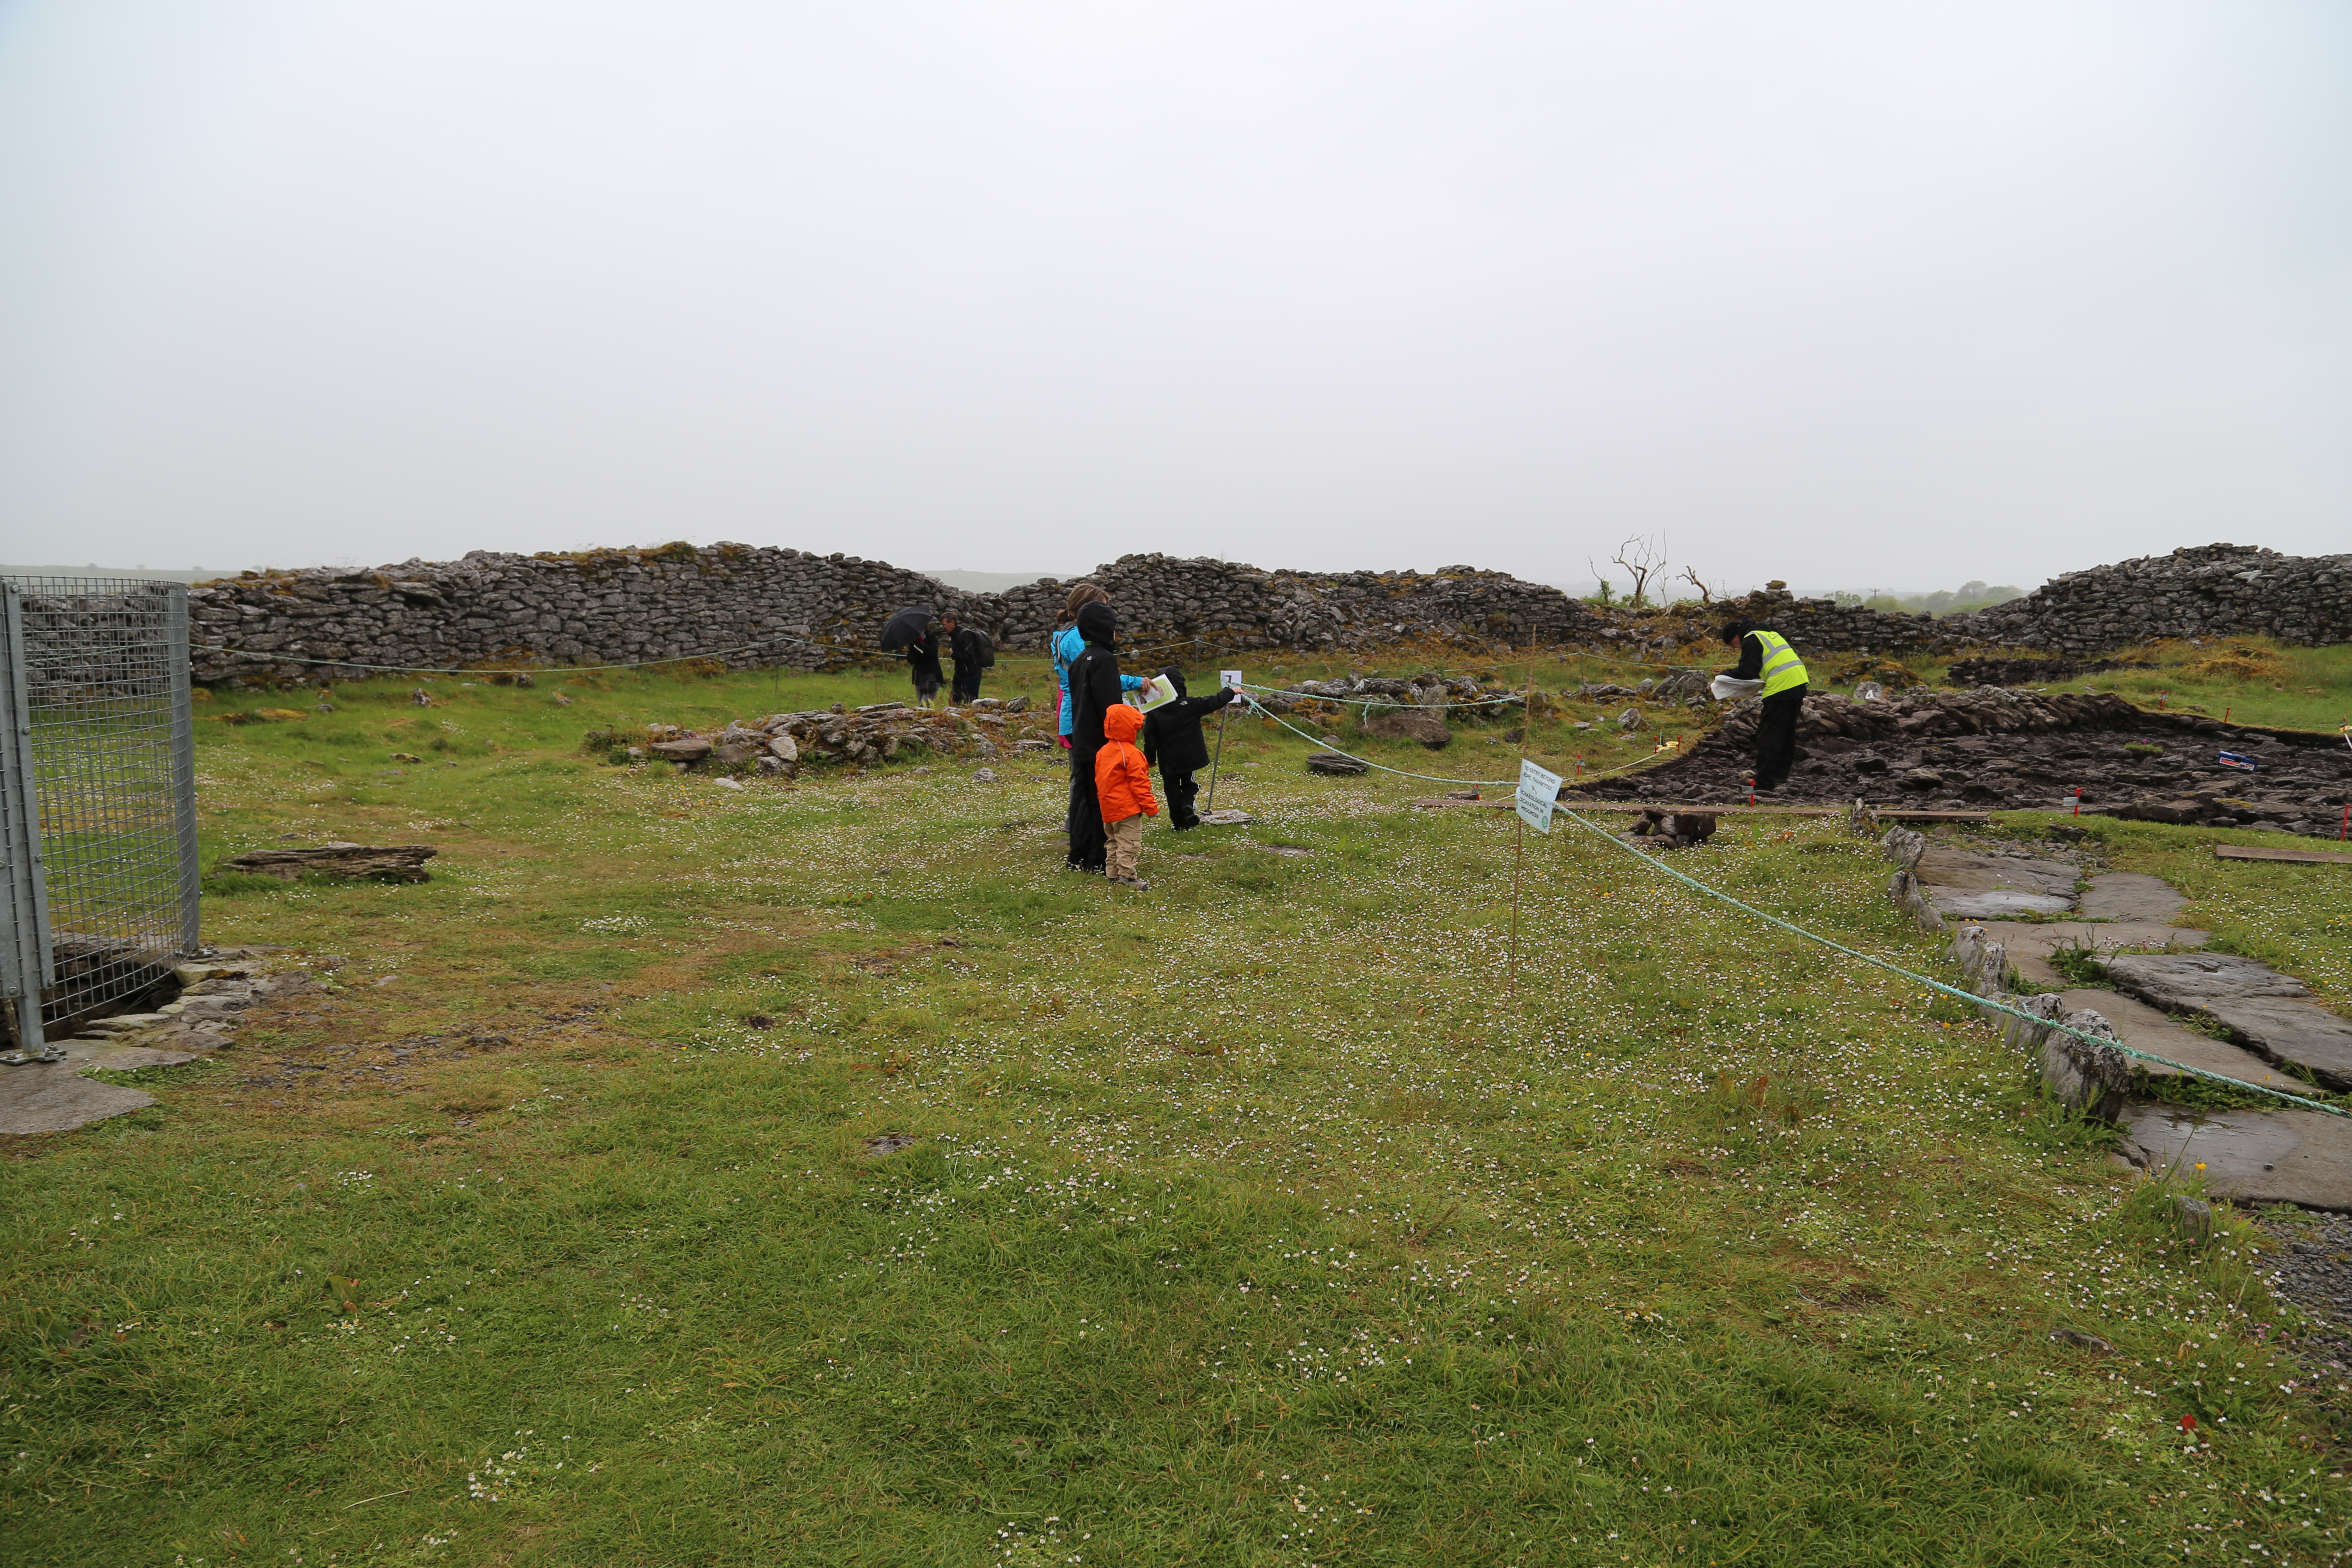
(2213, 590)
(758, 607)
(747, 606)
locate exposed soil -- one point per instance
(1999, 749)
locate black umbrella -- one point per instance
(903, 627)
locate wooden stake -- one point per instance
(1519, 852)
(1218, 761)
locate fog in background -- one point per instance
(1847, 295)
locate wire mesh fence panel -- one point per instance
(106, 725)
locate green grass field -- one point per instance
(1274, 1216)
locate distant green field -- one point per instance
(1281, 1214)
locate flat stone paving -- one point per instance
(2302, 1157)
(2252, 1000)
(2250, 1156)
(53, 1097)
(1975, 885)
(2144, 1028)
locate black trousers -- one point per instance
(1776, 737)
(959, 693)
(1088, 851)
(1182, 790)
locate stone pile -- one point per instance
(782, 744)
(1997, 749)
(2214, 590)
(391, 863)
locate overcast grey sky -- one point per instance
(1850, 294)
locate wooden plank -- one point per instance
(1884, 812)
(2299, 856)
(1638, 806)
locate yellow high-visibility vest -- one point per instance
(1782, 670)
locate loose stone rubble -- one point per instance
(1997, 749)
(781, 745)
(394, 863)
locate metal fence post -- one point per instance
(26, 967)
(184, 772)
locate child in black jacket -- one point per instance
(1171, 736)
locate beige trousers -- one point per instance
(1122, 843)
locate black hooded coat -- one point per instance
(1094, 689)
(923, 661)
(1172, 732)
(972, 653)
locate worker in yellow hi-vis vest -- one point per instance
(1766, 656)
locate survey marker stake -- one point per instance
(1227, 679)
(1519, 849)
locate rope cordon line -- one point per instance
(1971, 999)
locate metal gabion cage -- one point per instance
(97, 818)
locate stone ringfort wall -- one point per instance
(748, 606)
(2211, 590)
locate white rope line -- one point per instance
(1403, 773)
(1968, 996)
(1378, 701)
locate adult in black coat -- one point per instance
(972, 654)
(1172, 737)
(923, 661)
(1094, 691)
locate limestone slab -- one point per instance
(1948, 866)
(2187, 980)
(2143, 1029)
(92, 1053)
(2131, 896)
(2250, 1156)
(2266, 1009)
(2030, 944)
(1986, 887)
(57, 1099)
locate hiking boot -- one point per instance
(1137, 883)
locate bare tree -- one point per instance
(1705, 593)
(1642, 560)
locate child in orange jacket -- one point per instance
(1123, 784)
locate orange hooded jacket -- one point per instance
(1122, 778)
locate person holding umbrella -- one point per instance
(914, 631)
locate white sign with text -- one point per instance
(1537, 793)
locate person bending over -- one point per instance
(1766, 656)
